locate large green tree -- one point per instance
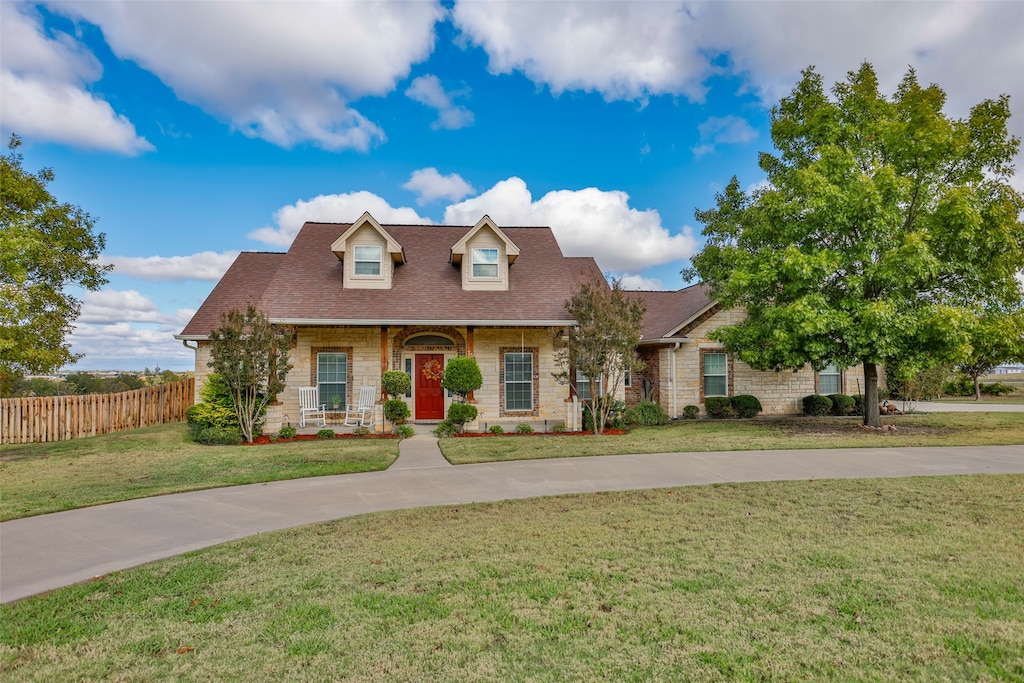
(251, 356)
(47, 249)
(883, 226)
(602, 342)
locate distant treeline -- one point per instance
(87, 383)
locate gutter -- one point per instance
(330, 322)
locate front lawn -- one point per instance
(940, 429)
(64, 475)
(884, 580)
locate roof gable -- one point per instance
(366, 220)
(485, 223)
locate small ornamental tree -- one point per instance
(602, 342)
(462, 376)
(883, 225)
(998, 337)
(251, 356)
(395, 383)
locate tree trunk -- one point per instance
(977, 387)
(872, 418)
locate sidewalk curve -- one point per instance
(45, 552)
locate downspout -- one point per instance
(675, 383)
(184, 342)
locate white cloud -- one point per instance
(43, 91)
(332, 208)
(282, 72)
(723, 130)
(428, 90)
(639, 282)
(431, 185)
(205, 265)
(108, 306)
(623, 50)
(588, 222)
(124, 346)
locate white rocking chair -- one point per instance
(308, 407)
(362, 413)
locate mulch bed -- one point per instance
(266, 438)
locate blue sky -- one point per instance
(194, 130)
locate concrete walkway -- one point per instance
(41, 553)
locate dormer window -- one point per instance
(368, 259)
(485, 263)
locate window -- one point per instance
(518, 381)
(716, 369)
(408, 371)
(332, 378)
(583, 386)
(485, 263)
(829, 380)
(367, 260)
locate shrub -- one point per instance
(462, 376)
(496, 429)
(842, 404)
(461, 413)
(558, 427)
(718, 407)
(405, 431)
(996, 389)
(325, 434)
(216, 410)
(858, 404)
(647, 414)
(961, 385)
(287, 432)
(691, 412)
(746, 405)
(817, 405)
(395, 383)
(523, 428)
(616, 414)
(217, 436)
(444, 428)
(361, 431)
(396, 411)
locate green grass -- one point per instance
(945, 429)
(901, 579)
(40, 478)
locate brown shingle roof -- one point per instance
(306, 283)
(666, 311)
(242, 284)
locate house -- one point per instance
(683, 365)
(357, 299)
(360, 298)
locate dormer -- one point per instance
(484, 255)
(369, 254)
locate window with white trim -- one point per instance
(367, 259)
(332, 378)
(830, 380)
(716, 374)
(485, 263)
(518, 381)
(583, 386)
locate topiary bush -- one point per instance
(718, 407)
(461, 413)
(287, 432)
(496, 429)
(746, 405)
(646, 414)
(691, 412)
(395, 383)
(817, 405)
(842, 404)
(524, 428)
(396, 411)
(325, 434)
(461, 376)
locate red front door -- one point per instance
(429, 394)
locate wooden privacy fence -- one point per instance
(57, 418)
